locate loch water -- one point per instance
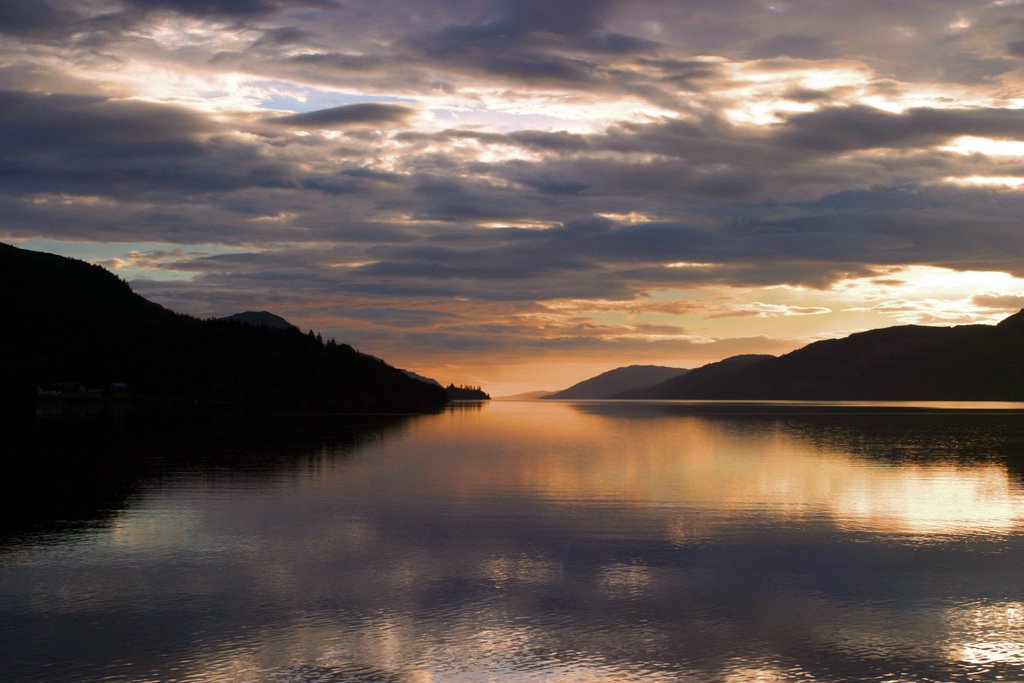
(517, 542)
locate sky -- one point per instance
(523, 193)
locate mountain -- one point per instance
(908, 362)
(704, 380)
(421, 378)
(259, 319)
(69, 321)
(616, 381)
(528, 396)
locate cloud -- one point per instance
(33, 121)
(94, 146)
(30, 17)
(335, 60)
(839, 129)
(534, 42)
(570, 17)
(763, 310)
(593, 150)
(793, 45)
(228, 8)
(203, 8)
(369, 114)
(1004, 302)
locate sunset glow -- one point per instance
(522, 194)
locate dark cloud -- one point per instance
(203, 8)
(30, 17)
(227, 8)
(807, 95)
(684, 74)
(126, 150)
(615, 44)
(793, 45)
(838, 129)
(529, 42)
(549, 185)
(283, 36)
(523, 21)
(33, 121)
(364, 114)
(569, 17)
(557, 141)
(540, 68)
(339, 61)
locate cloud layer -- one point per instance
(418, 177)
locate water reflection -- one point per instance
(82, 465)
(541, 542)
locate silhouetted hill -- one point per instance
(259, 319)
(526, 396)
(465, 393)
(616, 381)
(68, 321)
(421, 378)
(705, 379)
(909, 362)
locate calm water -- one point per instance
(519, 542)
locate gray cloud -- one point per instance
(369, 114)
(1006, 302)
(202, 8)
(838, 129)
(339, 61)
(510, 208)
(793, 45)
(30, 17)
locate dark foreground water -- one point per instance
(517, 542)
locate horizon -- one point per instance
(522, 195)
(537, 393)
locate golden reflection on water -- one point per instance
(573, 457)
(987, 633)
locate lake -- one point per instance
(518, 541)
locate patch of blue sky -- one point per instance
(105, 253)
(299, 99)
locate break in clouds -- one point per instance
(527, 176)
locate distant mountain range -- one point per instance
(907, 363)
(705, 379)
(617, 381)
(71, 322)
(527, 396)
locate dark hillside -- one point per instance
(259, 319)
(68, 321)
(612, 382)
(910, 362)
(705, 380)
(466, 393)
